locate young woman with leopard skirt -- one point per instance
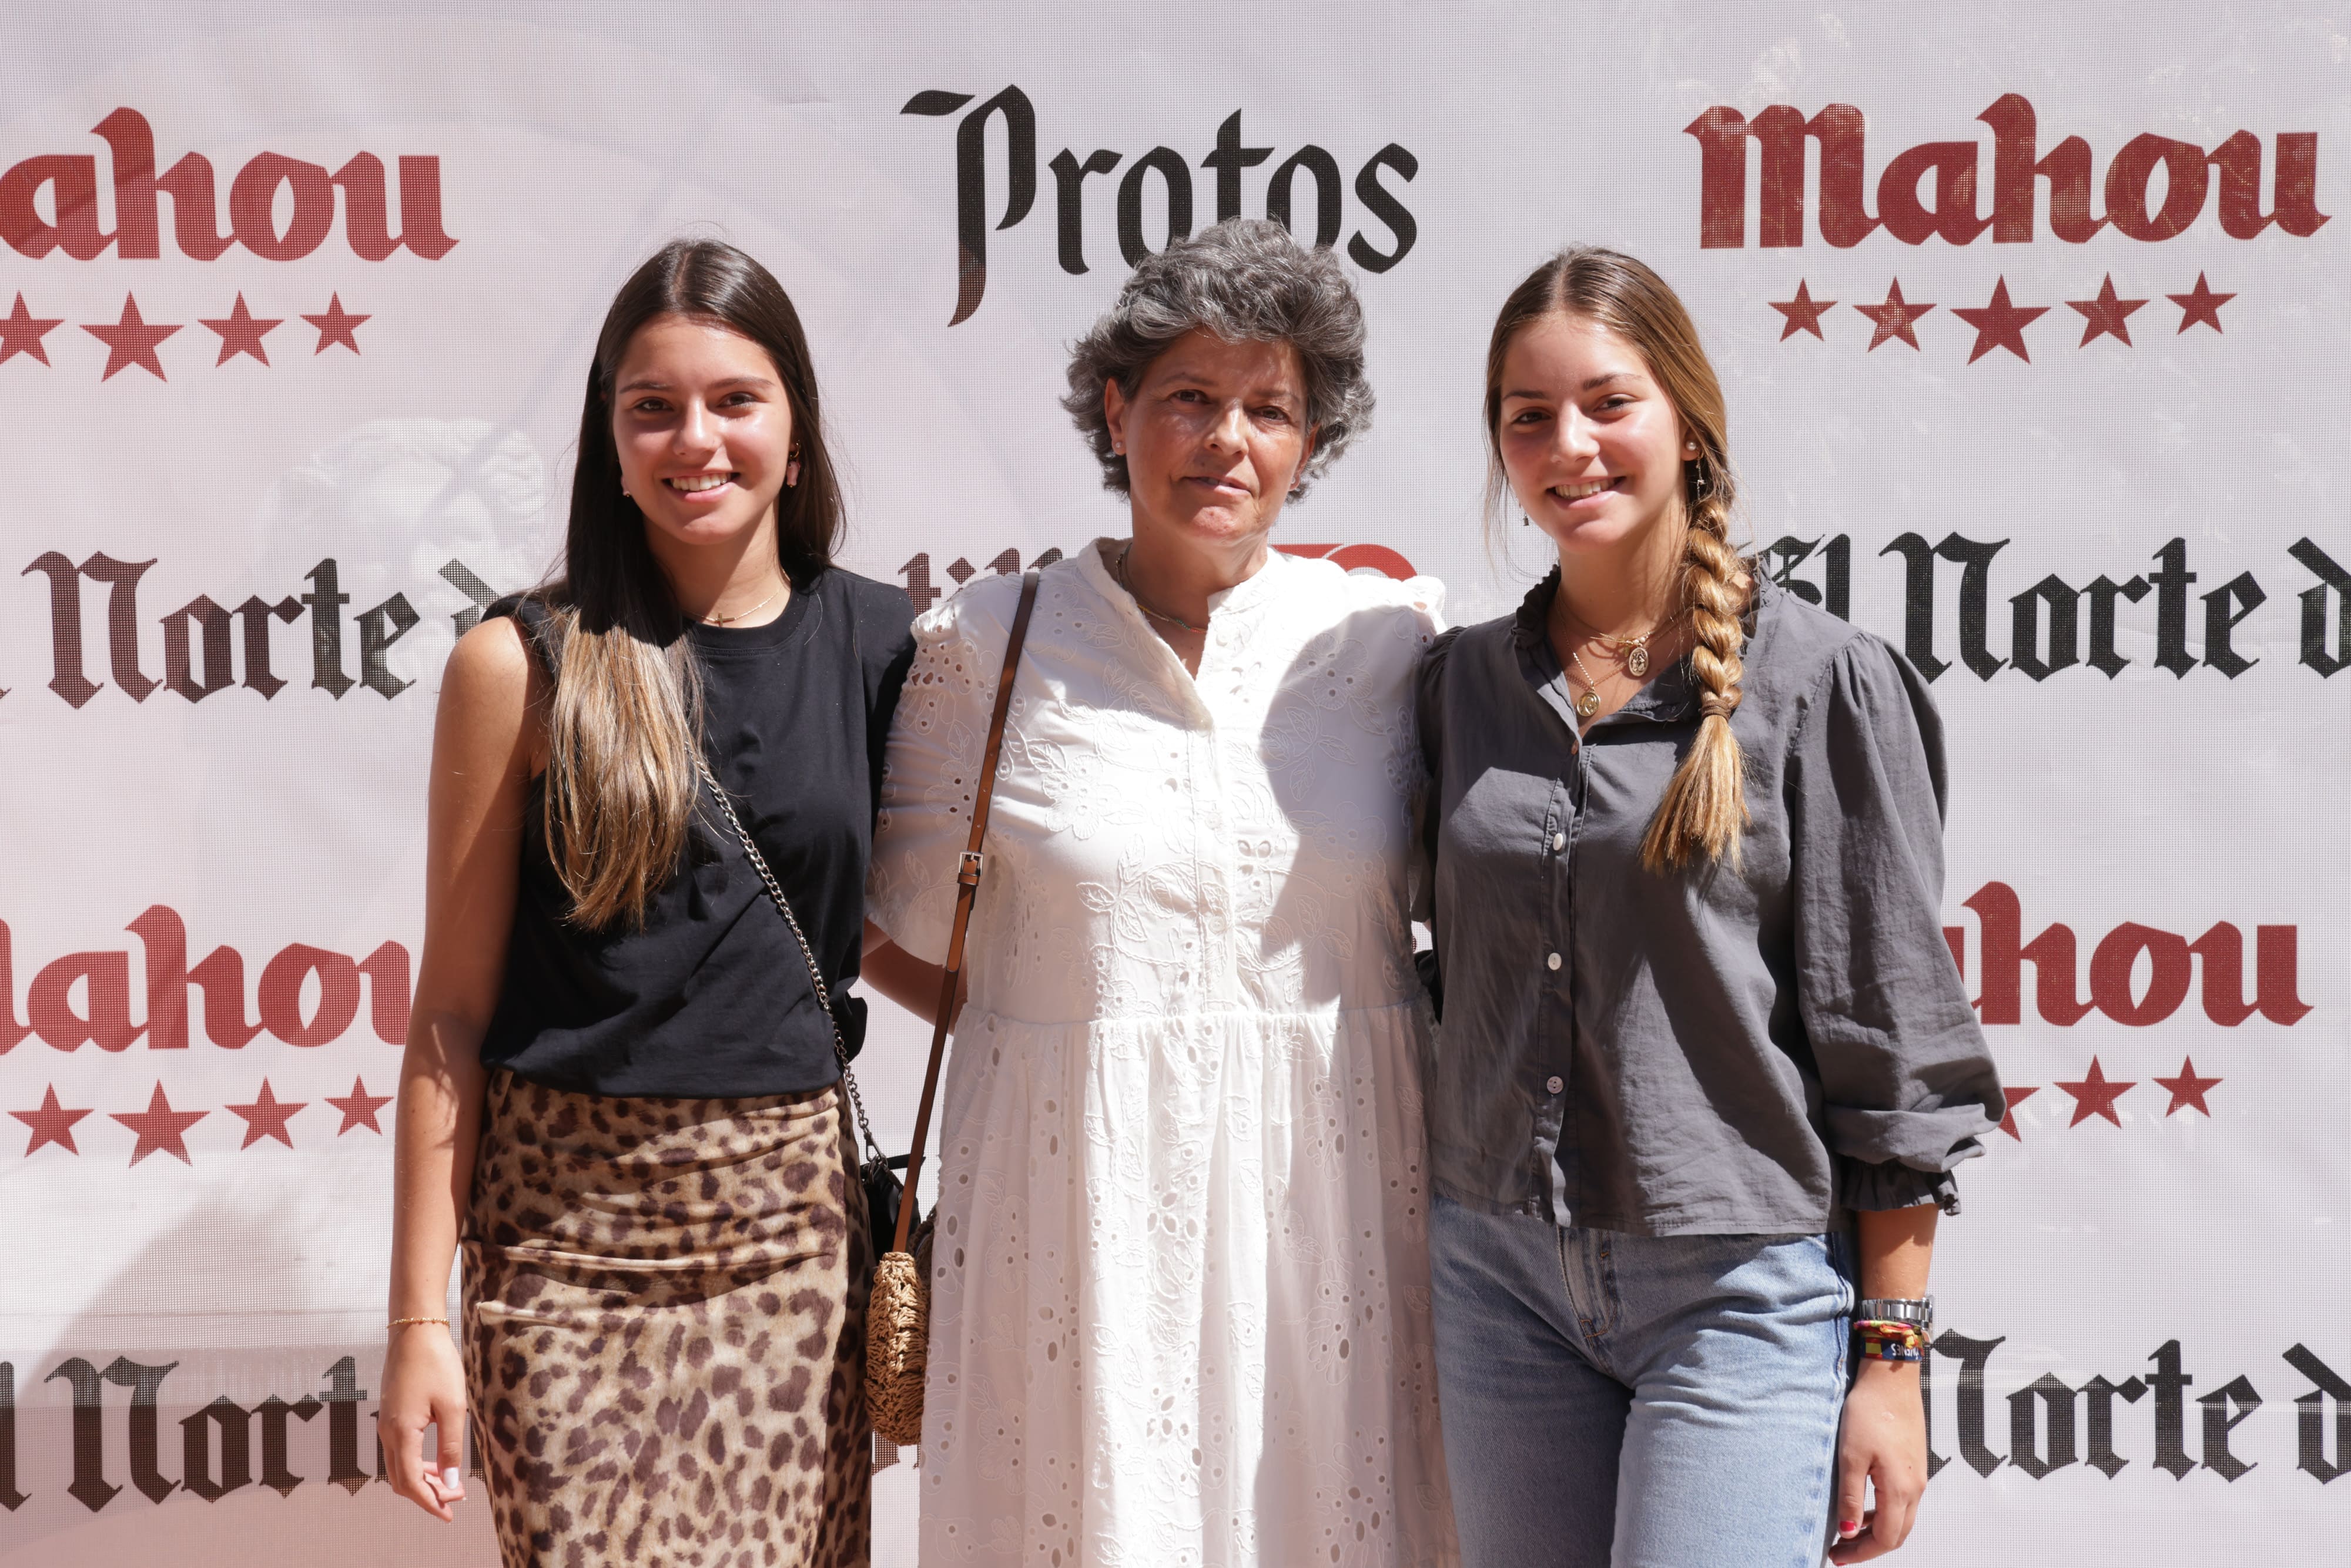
(623, 1088)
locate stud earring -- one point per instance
(792, 468)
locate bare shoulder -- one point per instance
(492, 690)
(490, 666)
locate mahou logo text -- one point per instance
(2135, 202)
(49, 203)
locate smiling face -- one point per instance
(1593, 447)
(1214, 437)
(704, 432)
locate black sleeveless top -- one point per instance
(710, 996)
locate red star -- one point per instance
(2000, 325)
(2200, 304)
(240, 333)
(1803, 313)
(336, 326)
(2188, 1089)
(2095, 1095)
(21, 333)
(2106, 315)
(267, 1118)
(1893, 318)
(160, 1128)
(2008, 1117)
(52, 1124)
(359, 1108)
(131, 341)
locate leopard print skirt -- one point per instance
(664, 1331)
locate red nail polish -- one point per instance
(1848, 1527)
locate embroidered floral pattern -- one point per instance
(1180, 1307)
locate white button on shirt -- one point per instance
(1554, 1083)
(1553, 960)
(1559, 841)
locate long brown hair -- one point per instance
(1704, 812)
(627, 713)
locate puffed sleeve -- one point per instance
(931, 770)
(1908, 1085)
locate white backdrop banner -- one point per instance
(2033, 321)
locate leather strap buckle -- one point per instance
(973, 863)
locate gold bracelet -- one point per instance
(402, 1323)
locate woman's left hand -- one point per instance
(1883, 1442)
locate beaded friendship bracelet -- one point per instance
(403, 1322)
(1887, 1338)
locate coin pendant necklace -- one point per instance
(1589, 702)
(1632, 653)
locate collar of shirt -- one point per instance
(1670, 698)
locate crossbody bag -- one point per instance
(897, 1343)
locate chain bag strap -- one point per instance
(807, 956)
(898, 1320)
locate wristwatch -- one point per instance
(1880, 1308)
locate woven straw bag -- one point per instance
(898, 1317)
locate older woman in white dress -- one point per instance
(1179, 1308)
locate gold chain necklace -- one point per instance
(1632, 653)
(1127, 584)
(740, 615)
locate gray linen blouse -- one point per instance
(1710, 1051)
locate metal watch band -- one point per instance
(1890, 1310)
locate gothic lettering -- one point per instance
(2018, 168)
(2309, 1416)
(1175, 181)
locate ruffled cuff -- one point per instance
(1890, 1185)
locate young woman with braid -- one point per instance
(1705, 1064)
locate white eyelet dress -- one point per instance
(1180, 1300)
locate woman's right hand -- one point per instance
(424, 1385)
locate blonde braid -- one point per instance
(1704, 812)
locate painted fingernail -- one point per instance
(452, 1481)
(1845, 1526)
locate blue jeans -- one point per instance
(1617, 1401)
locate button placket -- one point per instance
(1556, 1000)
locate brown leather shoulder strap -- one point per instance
(967, 876)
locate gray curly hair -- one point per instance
(1245, 280)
